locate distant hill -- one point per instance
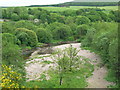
(95, 0)
(81, 3)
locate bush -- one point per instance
(27, 37)
(10, 78)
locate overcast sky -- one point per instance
(30, 2)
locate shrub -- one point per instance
(10, 78)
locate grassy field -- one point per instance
(77, 7)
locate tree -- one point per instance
(94, 18)
(79, 12)
(44, 36)
(15, 17)
(54, 17)
(8, 27)
(103, 16)
(67, 61)
(11, 53)
(82, 20)
(69, 20)
(22, 12)
(25, 24)
(6, 13)
(62, 32)
(12, 57)
(8, 38)
(63, 67)
(27, 37)
(31, 17)
(69, 13)
(81, 30)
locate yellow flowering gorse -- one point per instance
(9, 78)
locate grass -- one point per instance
(111, 76)
(76, 8)
(47, 62)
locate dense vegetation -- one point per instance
(28, 27)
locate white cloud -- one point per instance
(29, 2)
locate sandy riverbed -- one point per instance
(34, 67)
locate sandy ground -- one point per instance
(34, 67)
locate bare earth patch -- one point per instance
(34, 67)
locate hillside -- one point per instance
(95, 0)
(79, 3)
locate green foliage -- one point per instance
(74, 79)
(82, 20)
(15, 17)
(104, 39)
(43, 35)
(25, 24)
(11, 53)
(8, 27)
(8, 38)
(69, 20)
(69, 13)
(10, 78)
(69, 63)
(94, 18)
(87, 41)
(31, 17)
(54, 27)
(27, 37)
(81, 31)
(47, 62)
(111, 76)
(56, 17)
(60, 31)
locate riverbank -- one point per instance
(34, 68)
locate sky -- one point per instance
(30, 2)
